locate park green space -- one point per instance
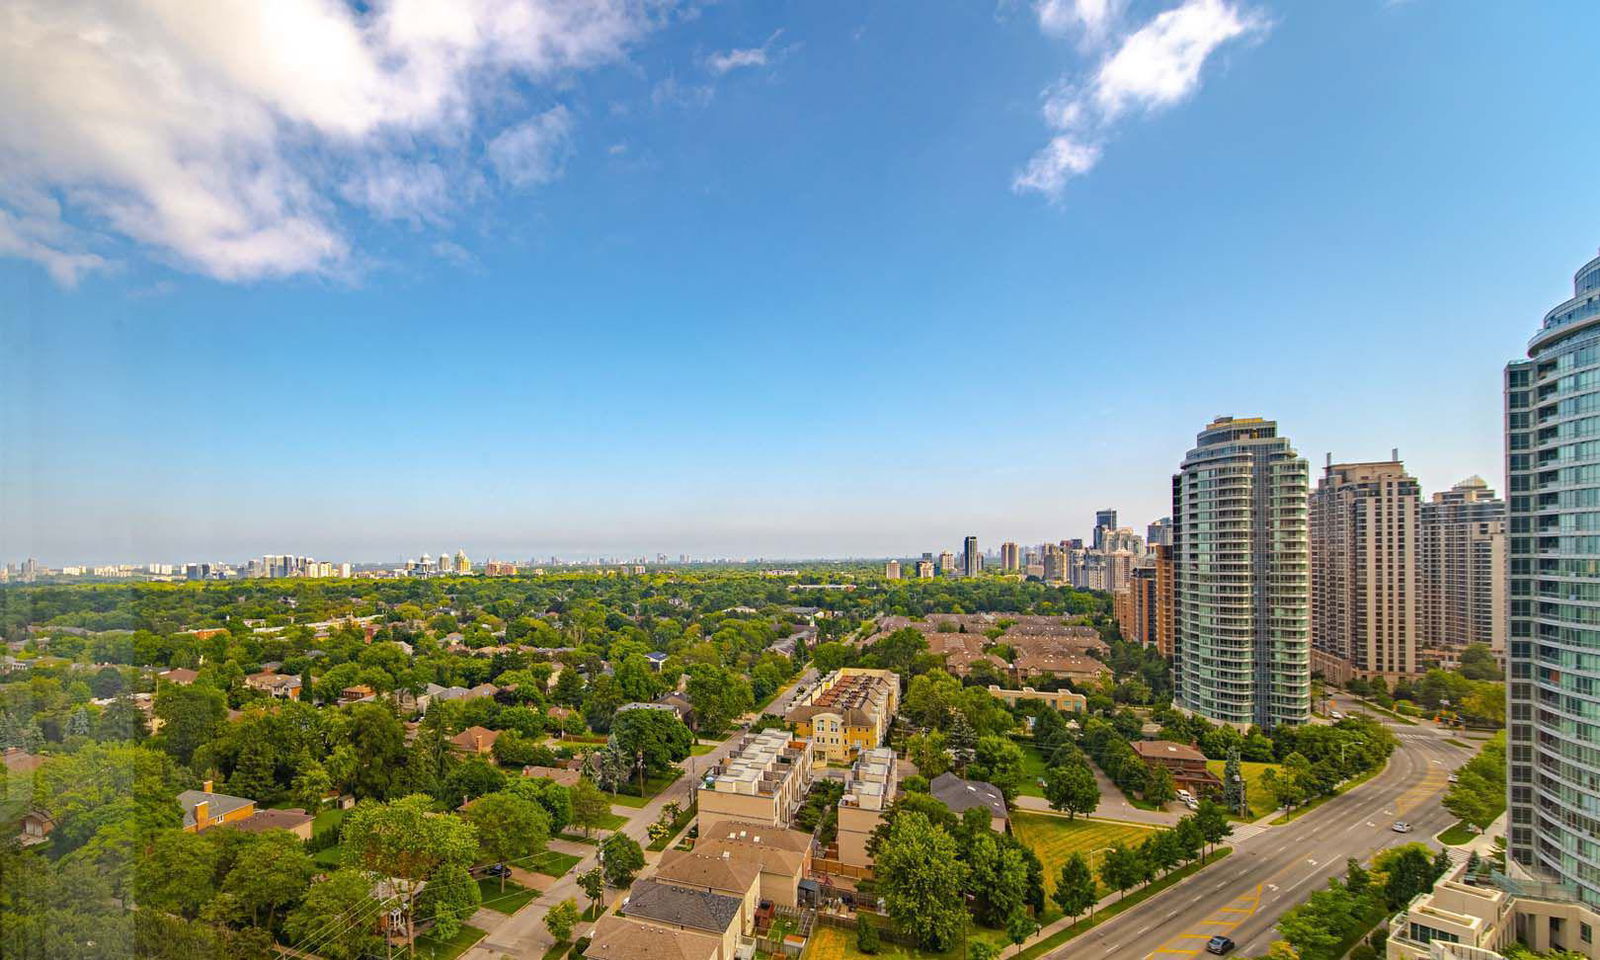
(1260, 801)
(1054, 839)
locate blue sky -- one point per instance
(766, 278)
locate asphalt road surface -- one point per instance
(1243, 896)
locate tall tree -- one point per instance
(329, 921)
(190, 717)
(653, 740)
(922, 881)
(510, 827)
(378, 740)
(623, 858)
(406, 840)
(1073, 789)
(269, 872)
(1075, 888)
(590, 808)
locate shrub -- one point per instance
(866, 935)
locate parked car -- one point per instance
(1400, 826)
(1192, 805)
(497, 870)
(1335, 714)
(1454, 779)
(1220, 945)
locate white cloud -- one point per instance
(1093, 17)
(721, 63)
(1153, 67)
(230, 136)
(533, 151)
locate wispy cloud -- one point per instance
(1142, 71)
(234, 138)
(730, 60)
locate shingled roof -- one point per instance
(618, 938)
(681, 906)
(718, 871)
(962, 795)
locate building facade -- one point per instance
(1463, 566)
(1364, 520)
(891, 570)
(1010, 557)
(971, 559)
(1552, 413)
(1241, 650)
(847, 711)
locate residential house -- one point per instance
(963, 795)
(478, 740)
(274, 684)
(294, 819)
(561, 775)
(784, 856)
(621, 938)
(182, 676)
(1186, 764)
(726, 917)
(36, 827)
(205, 808)
(20, 762)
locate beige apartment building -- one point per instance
(848, 711)
(1064, 700)
(868, 790)
(784, 856)
(1461, 921)
(1365, 606)
(762, 781)
(1463, 550)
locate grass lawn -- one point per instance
(1054, 839)
(832, 943)
(432, 949)
(328, 859)
(652, 786)
(1261, 803)
(326, 820)
(1458, 834)
(558, 950)
(571, 837)
(513, 899)
(701, 749)
(554, 864)
(1033, 768)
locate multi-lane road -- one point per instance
(1244, 895)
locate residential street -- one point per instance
(523, 934)
(1244, 895)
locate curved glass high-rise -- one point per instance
(1241, 647)
(1552, 424)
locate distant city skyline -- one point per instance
(685, 287)
(574, 551)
